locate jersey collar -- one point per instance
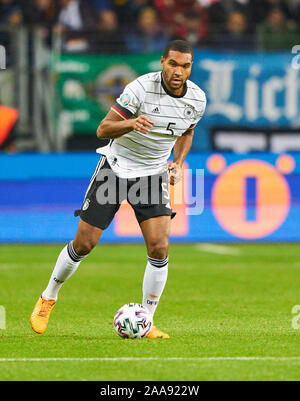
(170, 93)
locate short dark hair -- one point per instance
(181, 46)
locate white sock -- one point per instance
(66, 265)
(155, 279)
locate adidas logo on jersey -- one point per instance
(156, 110)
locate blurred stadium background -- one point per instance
(67, 61)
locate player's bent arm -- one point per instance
(114, 125)
(181, 149)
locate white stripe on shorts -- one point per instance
(98, 167)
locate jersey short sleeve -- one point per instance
(131, 99)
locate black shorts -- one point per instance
(148, 196)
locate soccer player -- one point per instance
(156, 113)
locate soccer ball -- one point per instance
(133, 321)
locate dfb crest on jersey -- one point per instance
(189, 112)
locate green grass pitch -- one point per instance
(214, 305)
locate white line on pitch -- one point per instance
(125, 359)
(218, 249)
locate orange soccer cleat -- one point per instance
(155, 333)
(40, 315)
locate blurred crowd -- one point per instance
(147, 25)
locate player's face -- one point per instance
(177, 68)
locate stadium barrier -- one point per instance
(246, 198)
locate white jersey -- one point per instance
(136, 154)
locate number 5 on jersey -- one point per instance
(169, 128)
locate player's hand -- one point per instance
(142, 124)
(175, 174)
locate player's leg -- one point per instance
(67, 263)
(95, 216)
(71, 256)
(156, 233)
